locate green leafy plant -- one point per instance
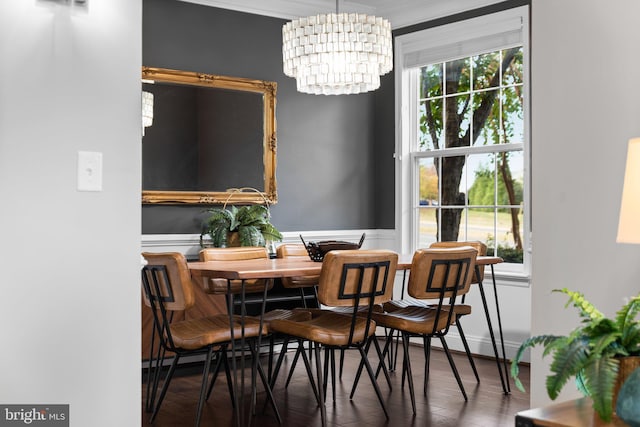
(590, 352)
(252, 223)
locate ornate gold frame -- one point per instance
(268, 90)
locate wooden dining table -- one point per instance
(275, 268)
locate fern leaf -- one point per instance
(250, 236)
(600, 377)
(271, 233)
(567, 362)
(627, 323)
(587, 310)
(544, 340)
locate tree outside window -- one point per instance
(469, 151)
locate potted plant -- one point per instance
(592, 353)
(239, 226)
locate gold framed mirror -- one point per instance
(212, 138)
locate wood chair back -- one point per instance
(476, 244)
(296, 250)
(441, 273)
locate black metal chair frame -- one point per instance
(439, 309)
(363, 346)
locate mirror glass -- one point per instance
(212, 140)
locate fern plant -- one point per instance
(589, 353)
(252, 223)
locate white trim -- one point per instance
(401, 13)
(189, 244)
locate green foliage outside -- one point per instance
(482, 191)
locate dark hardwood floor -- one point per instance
(443, 406)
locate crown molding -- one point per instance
(404, 13)
(400, 13)
(287, 9)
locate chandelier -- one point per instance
(337, 53)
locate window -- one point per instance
(463, 135)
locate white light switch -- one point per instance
(89, 171)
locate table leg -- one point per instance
(504, 354)
(234, 366)
(505, 386)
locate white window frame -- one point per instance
(442, 43)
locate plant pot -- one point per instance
(233, 239)
(628, 364)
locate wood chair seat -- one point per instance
(414, 320)
(395, 305)
(197, 333)
(295, 315)
(327, 329)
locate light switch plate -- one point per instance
(89, 171)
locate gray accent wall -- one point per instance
(335, 167)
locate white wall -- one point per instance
(69, 308)
(585, 94)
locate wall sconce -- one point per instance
(629, 223)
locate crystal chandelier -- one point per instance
(337, 53)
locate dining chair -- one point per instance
(348, 278)
(461, 309)
(439, 275)
(168, 289)
(297, 250)
(230, 288)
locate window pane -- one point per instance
(513, 73)
(480, 224)
(428, 182)
(430, 131)
(481, 179)
(489, 131)
(452, 183)
(457, 76)
(509, 244)
(486, 70)
(431, 81)
(427, 226)
(512, 111)
(458, 114)
(510, 178)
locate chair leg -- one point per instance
(406, 369)
(165, 386)
(270, 360)
(381, 365)
(333, 371)
(323, 409)
(227, 371)
(153, 376)
(367, 365)
(203, 387)
(316, 390)
(276, 369)
(466, 349)
(300, 350)
(427, 360)
(265, 383)
(216, 370)
(453, 367)
(381, 358)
